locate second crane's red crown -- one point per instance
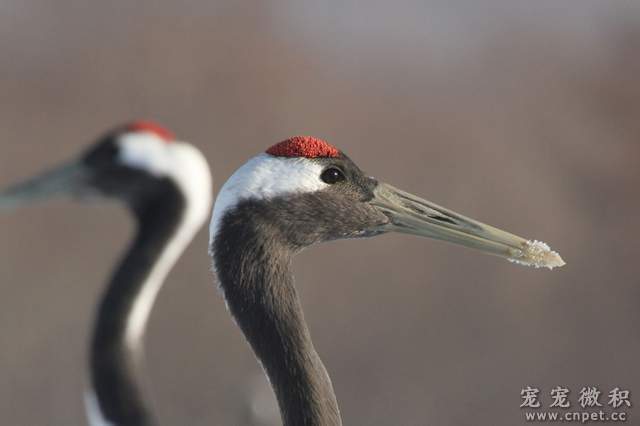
(151, 127)
(304, 146)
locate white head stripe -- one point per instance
(146, 151)
(263, 177)
(186, 166)
(94, 414)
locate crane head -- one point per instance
(304, 191)
(132, 163)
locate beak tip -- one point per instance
(539, 255)
(554, 261)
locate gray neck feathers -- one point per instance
(254, 272)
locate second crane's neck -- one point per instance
(166, 223)
(254, 272)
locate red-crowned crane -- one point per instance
(166, 184)
(300, 192)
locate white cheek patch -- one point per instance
(264, 177)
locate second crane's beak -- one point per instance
(412, 215)
(67, 179)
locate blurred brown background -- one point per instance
(525, 115)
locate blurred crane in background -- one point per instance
(166, 185)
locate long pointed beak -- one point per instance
(412, 215)
(66, 179)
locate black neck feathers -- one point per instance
(113, 360)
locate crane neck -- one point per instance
(254, 272)
(125, 306)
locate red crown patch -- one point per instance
(151, 127)
(303, 146)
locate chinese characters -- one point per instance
(588, 397)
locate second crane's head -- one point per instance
(303, 190)
(139, 163)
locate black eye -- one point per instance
(332, 175)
